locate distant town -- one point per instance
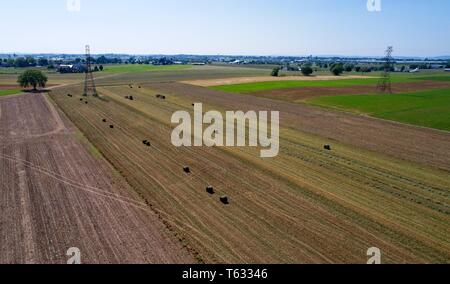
(75, 63)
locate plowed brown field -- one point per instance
(299, 94)
(57, 192)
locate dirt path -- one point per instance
(56, 192)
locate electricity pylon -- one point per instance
(89, 83)
(384, 84)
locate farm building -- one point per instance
(71, 68)
(437, 66)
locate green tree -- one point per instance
(102, 60)
(275, 72)
(337, 69)
(31, 61)
(348, 67)
(32, 78)
(307, 70)
(366, 69)
(101, 67)
(20, 62)
(92, 59)
(43, 62)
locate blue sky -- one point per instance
(249, 27)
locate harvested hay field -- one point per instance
(194, 73)
(424, 146)
(256, 79)
(57, 192)
(54, 79)
(308, 205)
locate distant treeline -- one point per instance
(24, 62)
(289, 63)
(362, 67)
(29, 61)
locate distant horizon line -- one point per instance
(225, 55)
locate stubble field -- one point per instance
(308, 205)
(383, 184)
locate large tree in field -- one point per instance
(32, 78)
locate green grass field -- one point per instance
(265, 86)
(426, 108)
(135, 68)
(14, 70)
(436, 78)
(9, 92)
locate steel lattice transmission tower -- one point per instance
(384, 85)
(89, 83)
